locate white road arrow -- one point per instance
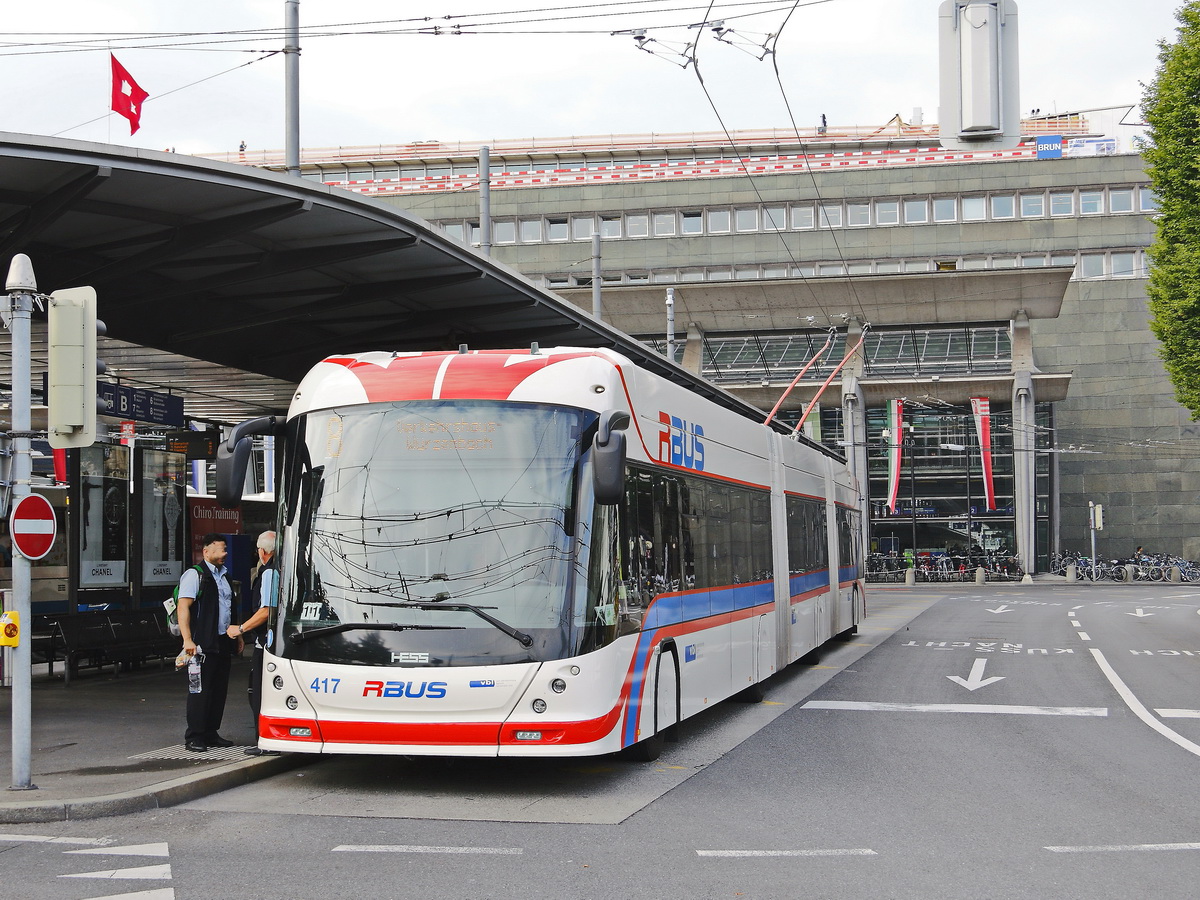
(1139, 614)
(975, 680)
(1002, 608)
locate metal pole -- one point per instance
(912, 490)
(596, 281)
(21, 285)
(291, 89)
(485, 201)
(671, 324)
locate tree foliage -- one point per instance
(1171, 106)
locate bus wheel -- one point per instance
(645, 751)
(756, 693)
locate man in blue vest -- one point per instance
(264, 596)
(205, 611)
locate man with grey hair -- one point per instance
(264, 591)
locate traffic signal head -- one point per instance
(72, 368)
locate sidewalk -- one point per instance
(108, 746)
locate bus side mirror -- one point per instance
(608, 457)
(233, 457)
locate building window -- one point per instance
(691, 223)
(718, 221)
(473, 232)
(916, 265)
(746, 219)
(775, 272)
(504, 231)
(455, 230)
(804, 271)
(1003, 206)
(1033, 205)
(975, 262)
(887, 266)
(1091, 265)
(1030, 260)
(745, 273)
(1120, 201)
(831, 269)
(858, 268)
(637, 225)
(802, 216)
(1091, 202)
(610, 227)
(691, 275)
(1124, 265)
(556, 230)
(858, 214)
(1062, 204)
(582, 228)
(1004, 262)
(664, 224)
(974, 209)
(1062, 259)
(945, 209)
(531, 231)
(831, 215)
(1148, 201)
(774, 218)
(719, 275)
(916, 212)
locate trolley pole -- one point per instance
(17, 312)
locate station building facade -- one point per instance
(1007, 377)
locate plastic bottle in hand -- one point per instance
(194, 671)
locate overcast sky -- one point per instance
(859, 62)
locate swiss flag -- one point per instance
(127, 96)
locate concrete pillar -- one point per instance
(1071, 573)
(1024, 482)
(693, 350)
(980, 576)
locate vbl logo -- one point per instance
(679, 443)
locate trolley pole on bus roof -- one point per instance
(17, 311)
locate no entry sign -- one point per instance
(33, 526)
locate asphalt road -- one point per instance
(1035, 741)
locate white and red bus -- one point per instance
(536, 553)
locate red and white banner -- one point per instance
(981, 407)
(895, 432)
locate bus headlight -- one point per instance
(558, 685)
(277, 681)
(539, 705)
(292, 702)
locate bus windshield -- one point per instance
(432, 533)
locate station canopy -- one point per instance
(225, 284)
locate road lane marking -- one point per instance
(403, 848)
(1074, 623)
(1179, 713)
(958, 707)
(738, 854)
(1123, 848)
(1138, 709)
(1084, 636)
(157, 849)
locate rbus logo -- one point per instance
(430, 690)
(679, 442)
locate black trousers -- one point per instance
(206, 709)
(254, 691)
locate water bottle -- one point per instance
(194, 672)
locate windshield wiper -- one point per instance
(301, 636)
(524, 639)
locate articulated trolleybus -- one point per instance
(535, 553)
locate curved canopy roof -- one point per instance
(232, 270)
